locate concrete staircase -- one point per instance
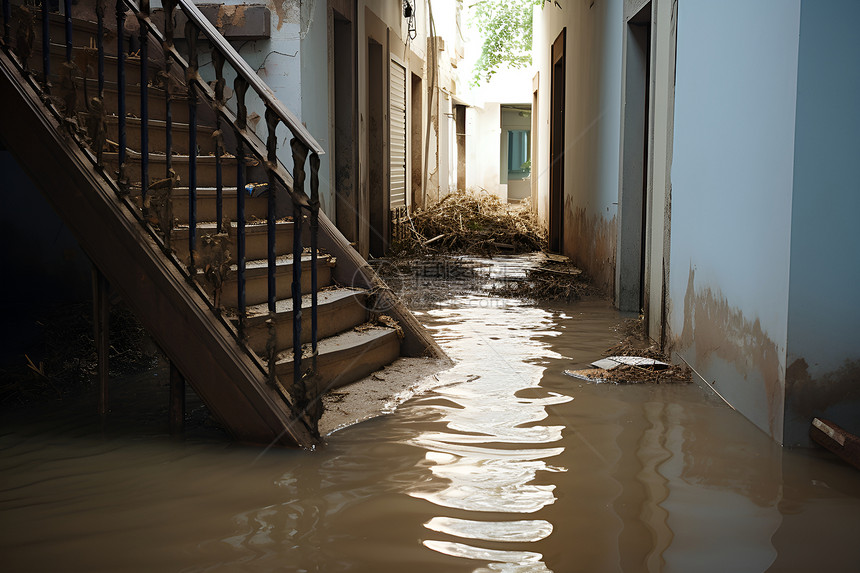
(145, 255)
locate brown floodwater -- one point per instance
(506, 465)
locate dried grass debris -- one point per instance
(553, 280)
(474, 223)
(635, 343)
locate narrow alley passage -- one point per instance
(505, 465)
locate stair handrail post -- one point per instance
(120, 80)
(169, 7)
(143, 22)
(240, 88)
(191, 75)
(220, 104)
(315, 225)
(272, 121)
(300, 152)
(101, 8)
(46, 49)
(67, 20)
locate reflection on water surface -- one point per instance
(506, 466)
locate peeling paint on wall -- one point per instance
(714, 329)
(589, 240)
(288, 11)
(230, 16)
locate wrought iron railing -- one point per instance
(304, 148)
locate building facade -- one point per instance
(695, 159)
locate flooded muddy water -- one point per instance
(506, 465)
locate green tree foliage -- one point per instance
(506, 27)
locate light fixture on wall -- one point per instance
(409, 14)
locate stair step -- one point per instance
(256, 237)
(83, 31)
(111, 62)
(256, 208)
(338, 310)
(256, 279)
(347, 357)
(158, 135)
(157, 101)
(157, 167)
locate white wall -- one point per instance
(734, 128)
(592, 127)
(482, 149)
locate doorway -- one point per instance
(635, 153)
(376, 150)
(416, 122)
(345, 106)
(556, 144)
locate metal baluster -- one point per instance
(300, 153)
(100, 45)
(190, 76)
(142, 18)
(120, 80)
(240, 86)
(46, 48)
(218, 63)
(169, 7)
(67, 8)
(315, 223)
(272, 120)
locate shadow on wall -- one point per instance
(834, 395)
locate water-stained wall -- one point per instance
(732, 196)
(591, 128)
(823, 355)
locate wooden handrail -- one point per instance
(245, 71)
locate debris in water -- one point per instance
(634, 360)
(836, 439)
(612, 362)
(555, 279)
(476, 223)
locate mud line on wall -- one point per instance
(590, 242)
(715, 328)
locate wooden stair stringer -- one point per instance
(353, 271)
(221, 372)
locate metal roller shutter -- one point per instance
(397, 114)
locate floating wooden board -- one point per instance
(840, 442)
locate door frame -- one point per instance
(557, 96)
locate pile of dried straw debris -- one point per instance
(637, 344)
(469, 223)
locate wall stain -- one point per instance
(714, 328)
(230, 17)
(807, 397)
(590, 241)
(287, 11)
